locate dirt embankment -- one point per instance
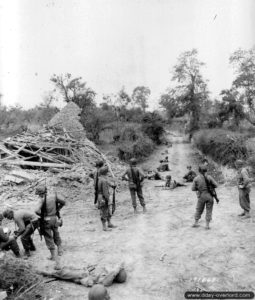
(163, 255)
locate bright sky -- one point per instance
(115, 43)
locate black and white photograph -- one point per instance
(127, 149)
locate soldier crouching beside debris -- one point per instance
(49, 207)
(8, 242)
(27, 223)
(103, 199)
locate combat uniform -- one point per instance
(189, 177)
(27, 223)
(104, 200)
(135, 185)
(204, 197)
(8, 244)
(54, 202)
(244, 189)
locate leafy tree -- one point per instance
(190, 88)
(123, 99)
(231, 107)
(153, 126)
(243, 62)
(140, 96)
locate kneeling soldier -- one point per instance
(27, 223)
(8, 242)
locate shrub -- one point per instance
(222, 145)
(140, 149)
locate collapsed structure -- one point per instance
(59, 153)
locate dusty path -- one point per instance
(220, 259)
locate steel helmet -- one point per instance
(98, 292)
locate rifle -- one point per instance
(211, 190)
(41, 228)
(96, 189)
(113, 201)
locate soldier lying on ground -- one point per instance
(27, 223)
(171, 183)
(189, 177)
(8, 242)
(153, 175)
(163, 167)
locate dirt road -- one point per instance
(163, 255)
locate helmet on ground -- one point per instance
(98, 292)
(121, 276)
(103, 170)
(99, 163)
(41, 189)
(133, 161)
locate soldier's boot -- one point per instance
(247, 215)
(105, 228)
(207, 225)
(15, 248)
(60, 250)
(195, 224)
(57, 265)
(53, 254)
(27, 254)
(144, 209)
(242, 214)
(32, 247)
(110, 225)
(135, 210)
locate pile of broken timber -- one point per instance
(46, 149)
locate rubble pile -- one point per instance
(61, 157)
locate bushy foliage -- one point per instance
(222, 145)
(153, 127)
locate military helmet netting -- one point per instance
(99, 163)
(103, 171)
(202, 169)
(41, 189)
(133, 161)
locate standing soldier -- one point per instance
(27, 223)
(201, 185)
(99, 164)
(244, 188)
(135, 178)
(49, 207)
(104, 201)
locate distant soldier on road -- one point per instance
(135, 178)
(244, 188)
(189, 177)
(201, 185)
(49, 207)
(27, 223)
(104, 201)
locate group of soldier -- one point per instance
(45, 218)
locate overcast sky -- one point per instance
(115, 43)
